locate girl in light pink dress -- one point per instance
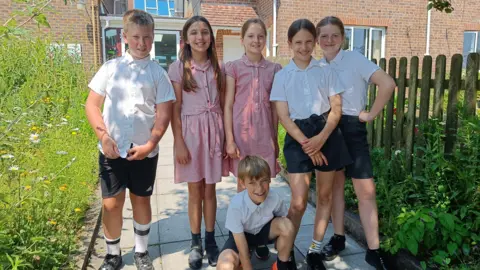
(197, 125)
(250, 120)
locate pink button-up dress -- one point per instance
(253, 129)
(202, 125)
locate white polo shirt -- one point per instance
(306, 90)
(243, 215)
(131, 89)
(354, 71)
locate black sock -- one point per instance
(210, 238)
(196, 239)
(282, 265)
(339, 236)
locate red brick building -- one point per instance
(376, 28)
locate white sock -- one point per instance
(315, 247)
(113, 246)
(141, 236)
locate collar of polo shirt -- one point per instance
(250, 204)
(293, 67)
(336, 60)
(140, 62)
(262, 63)
(201, 67)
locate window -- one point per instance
(471, 43)
(369, 41)
(113, 43)
(157, 7)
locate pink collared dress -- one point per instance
(202, 126)
(253, 129)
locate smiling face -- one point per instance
(302, 45)
(139, 39)
(254, 39)
(199, 37)
(330, 39)
(257, 188)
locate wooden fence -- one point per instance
(401, 133)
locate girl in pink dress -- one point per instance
(197, 125)
(250, 121)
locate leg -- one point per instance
(338, 204)
(209, 215)
(324, 203)
(283, 229)
(142, 210)
(367, 206)
(112, 218)
(299, 184)
(228, 260)
(196, 192)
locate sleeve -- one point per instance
(281, 210)
(230, 69)
(333, 83)
(165, 91)
(99, 82)
(278, 88)
(233, 221)
(175, 72)
(365, 67)
(278, 67)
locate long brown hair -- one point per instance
(333, 21)
(189, 83)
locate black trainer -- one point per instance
(143, 261)
(262, 252)
(212, 254)
(334, 246)
(314, 261)
(111, 262)
(195, 257)
(375, 259)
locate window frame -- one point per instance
(369, 43)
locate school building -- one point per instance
(375, 28)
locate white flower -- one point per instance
(398, 152)
(8, 121)
(64, 119)
(7, 156)
(75, 129)
(13, 168)
(62, 153)
(48, 125)
(35, 138)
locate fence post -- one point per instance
(471, 81)
(412, 107)
(400, 113)
(371, 98)
(379, 119)
(440, 69)
(452, 117)
(392, 71)
(424, 108)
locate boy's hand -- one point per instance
(138, 152)
(365, 116)
(109, 147)
(318, 159)
(313, 145)
(182, 155)
(232, 150)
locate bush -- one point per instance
(47, 155)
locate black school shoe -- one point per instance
(314, 261)
(262, 252)
(375, 259)
(111, 262)
(335, 245)
(212, 254)
(143, 261)
(195, 257)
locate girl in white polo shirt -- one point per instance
(308, 104)
(355, 72)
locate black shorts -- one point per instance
(334, 149)
(117, 174)
(253, 240)
(355, 135)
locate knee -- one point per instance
(210, 192)
(112, 205)
(324, 198)
(367, 195)
(286, 227)
(298, 205)
(226, 260)
(196, 196)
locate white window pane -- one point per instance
(376, 45)
(348, 38)
(478, 42)
(468, 45)
(360, 38)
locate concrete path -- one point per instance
(169, 240)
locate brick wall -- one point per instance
(219, 40)
(234, 2)
(69, 25)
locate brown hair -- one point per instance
(138, 17)
(253, 167)
(300, 24)
(189, 83)
(333, 21)
(249, 22)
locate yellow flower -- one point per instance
(29, 218)
(74, 133)
(63, 188)
(34, 128)
(53, 222)
(28, 187)
(78, 210)
(84, 183)
(66, 116)
(47, 182)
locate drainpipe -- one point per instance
(427, 49)
(104, 53)
(274, 39)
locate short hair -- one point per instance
(138, 17)
(253, 167)
(249, 22)
(300, 24)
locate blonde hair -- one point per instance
(137, 17)
(253, 167)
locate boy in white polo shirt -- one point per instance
(137, 96)
(255, 217)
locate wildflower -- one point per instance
(47, 125)
(74, 133)
(34, 128)
(84, 183)
(64, 119)
(78, 210)
(8, 121)
(47, 182)
(75, 129)
(35, 138)
(7, 156)
(13, 168)
(36, 258)
(53, 222)
(62, 153)
(28, 187)
(66, 116)
(63, 188)
(398, 152)
(29, 218)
